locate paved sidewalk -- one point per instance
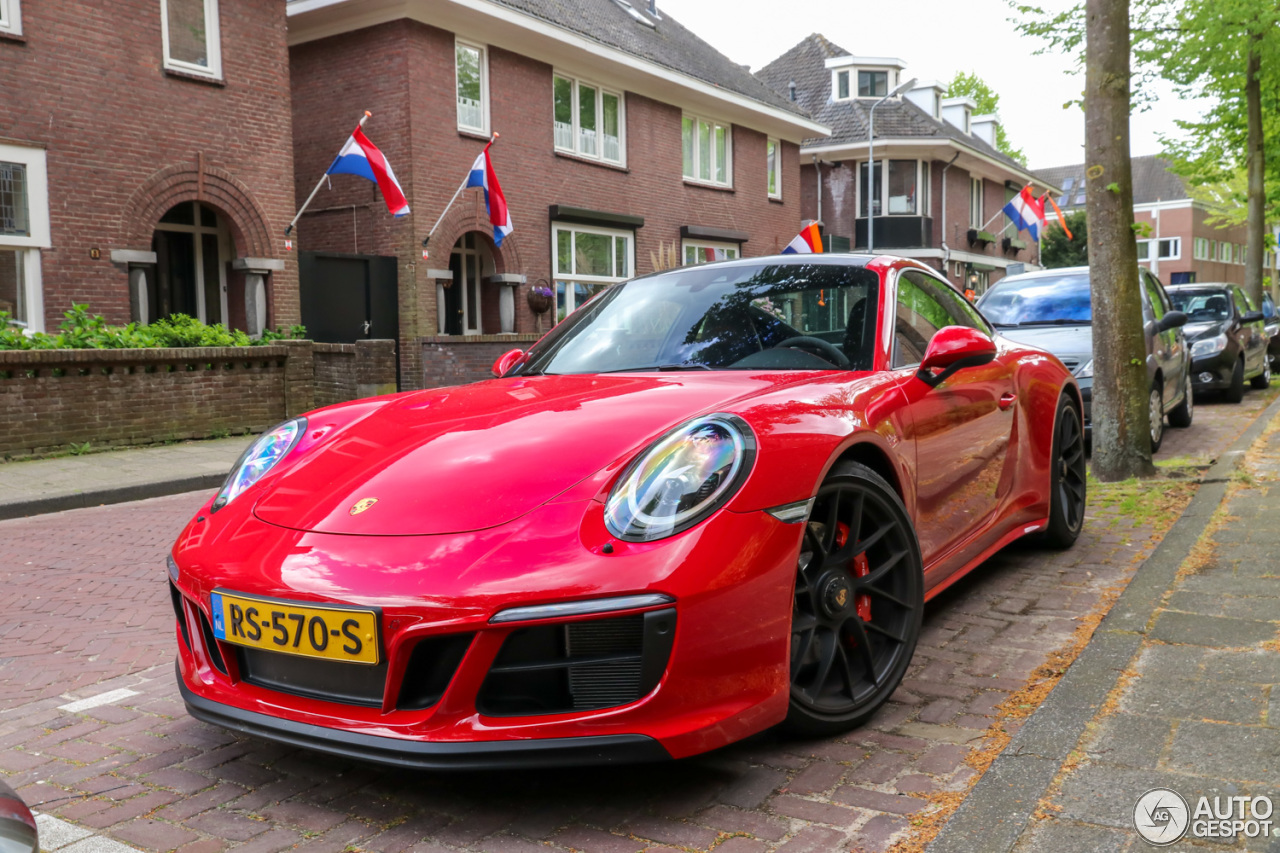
(71, 482)
(1179, 688)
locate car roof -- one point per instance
(1202, 285)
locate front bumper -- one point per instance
(1086, 397)
(722, 675)
(395, 752)
(1217, 367)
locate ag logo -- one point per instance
(1161, 816)
(362, 505)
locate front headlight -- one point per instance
(272, 446)
(1086, 371)
(1209, 346)
(681, 479)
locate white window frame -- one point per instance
(11, 17)
(576, 103)
(976, 211)
(213, 42)
(484, 87)
(728, 148)
(835, 83)
(1200, 248)
(1175, 250)
(889, 82)
(37, 187)
(777, 167)
(1144, 251)
(686, 245)
(569, 278)
(923, 200)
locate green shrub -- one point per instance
(82, 330)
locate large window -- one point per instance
(704, 252)
(189, 29)
(1201, 248)
(708, 151)
(773, 165)
(11, 17)
(471, 78)
(24, 231)
(904, 193)
(975, 203)
(588, 120)
(587, 260)
(1165, 249)
(873, 84)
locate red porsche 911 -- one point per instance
(710, 501)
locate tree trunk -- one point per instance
(1255, 162)
(1121, 424)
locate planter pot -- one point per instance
(538, 303)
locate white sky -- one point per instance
(935, 38)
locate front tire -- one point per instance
(858, 602)
(1068, 479)
(1180, 417)
(1263, 379)
(1235, 392)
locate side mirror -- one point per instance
(1253, 317)
(18, 832)
(952, 349)
(1172, 320)
(506, 361)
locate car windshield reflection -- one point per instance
(1040, 301)
(1202, 306)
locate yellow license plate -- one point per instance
(295, 628)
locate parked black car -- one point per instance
(1227, 336)
(1051, 309)
(1273, 331)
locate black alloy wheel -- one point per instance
(858, 601)
(1068, 479)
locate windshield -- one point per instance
(1202, 306)
(720, 317)
(1039, 301)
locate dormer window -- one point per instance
(842, 85)
(873, 84)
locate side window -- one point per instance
(918, 315)
(961, 312)
(1152, 307)
(1242, 301)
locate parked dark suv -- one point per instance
(1050, 309)
(1227, 336)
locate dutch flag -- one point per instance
(482, 175)
(1027, 212)
(361, 157)
(808, 241)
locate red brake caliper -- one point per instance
(861, 568)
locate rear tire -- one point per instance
(857, 605)
(1235, 392)
(1263, 379)
(1180, 417)
(1068, 480)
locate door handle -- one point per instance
(1007, 400)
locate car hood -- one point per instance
(1069, 343)
(475, 456)
(1196, 331)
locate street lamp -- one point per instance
(871, 161)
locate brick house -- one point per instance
(939, 179)
(625, 140)
(146, 161)
(1182, 247)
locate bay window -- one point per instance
(192, 40)
(708, 151)
(586, 261)
(588, 120)
(903, 192)
(471, 83)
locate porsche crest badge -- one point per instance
(362, 505)
(842, 597)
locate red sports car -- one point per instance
(712, 500)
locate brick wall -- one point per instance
(53, 398)
(126, 140)
(446, 360)
(414, 122)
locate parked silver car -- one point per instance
(1051, 309)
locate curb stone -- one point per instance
(99, 497)
(996, 812)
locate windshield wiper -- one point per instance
(1065, 322)
(686, 366)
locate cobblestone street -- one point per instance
(94, 736)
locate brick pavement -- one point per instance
(92, 616)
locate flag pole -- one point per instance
(462, 186)
(319, 184)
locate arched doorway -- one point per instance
(465, 304)
(193, 248)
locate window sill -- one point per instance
(590, 161)
(473, 134)
(217, 82)
(17, 38)
(776, 199)
(690, 182)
